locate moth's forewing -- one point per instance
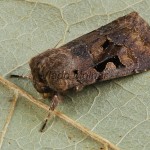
(117, 49)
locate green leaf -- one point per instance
(117, 110)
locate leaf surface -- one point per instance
(111, 113)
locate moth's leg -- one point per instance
(46, 95)
(49, 95)
(29, 77)
(55, 101)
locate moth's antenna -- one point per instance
(29, 77)
(57, 43)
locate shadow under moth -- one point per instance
(115, 50)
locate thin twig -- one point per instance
(10, 114)
(60, 115)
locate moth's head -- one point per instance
(37, 78)
(40, 86)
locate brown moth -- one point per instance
(117, 49)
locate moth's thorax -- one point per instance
(57, 69)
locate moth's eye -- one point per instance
(41, 78)
(45, 88)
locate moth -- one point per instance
(115, 50)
